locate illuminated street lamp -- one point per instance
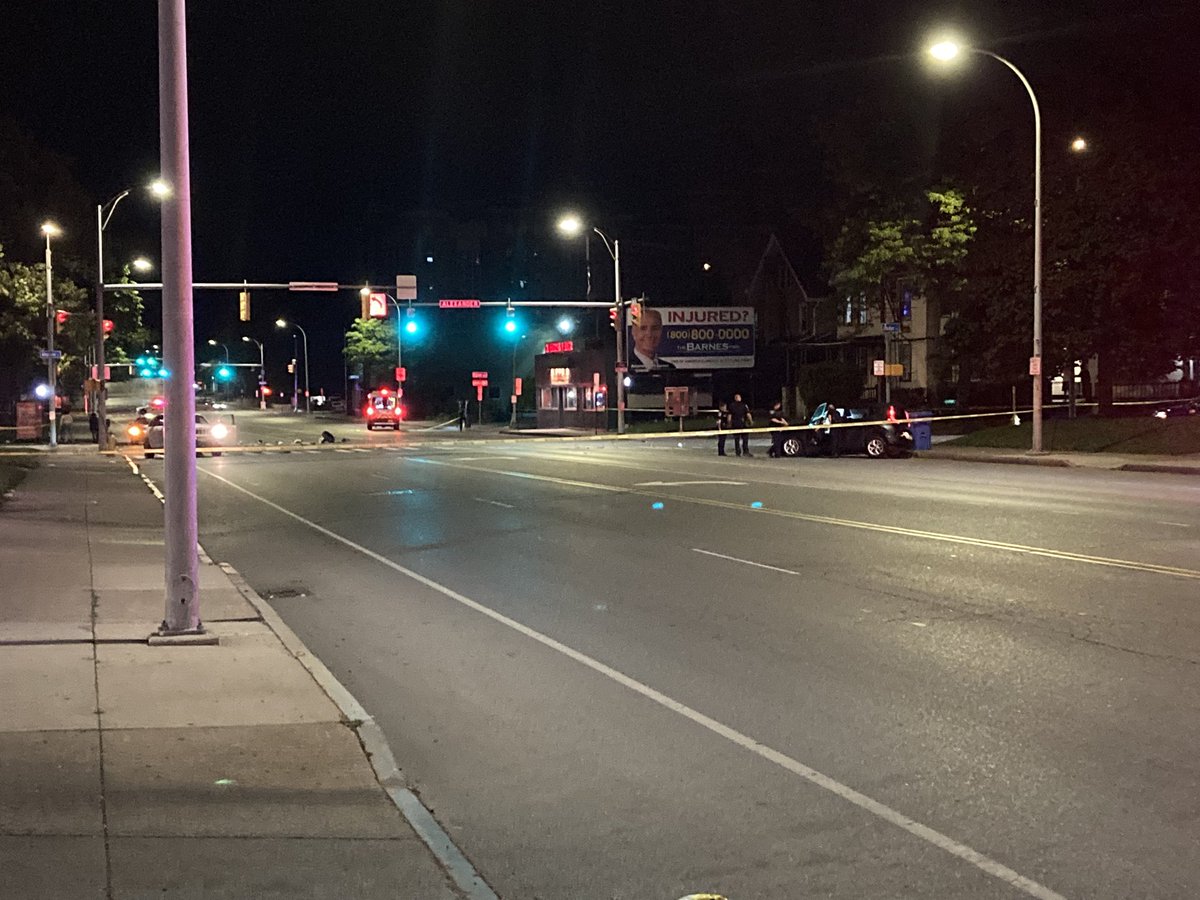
(946, 51)
(283, 323)
(572, 225)
(262, 371)
(49, 229)
(565, 325)
(1079, 145)
(158, 189)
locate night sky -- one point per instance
(321, 132)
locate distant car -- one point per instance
(210, 436)
(136, 430)
(883, 431)
(383, 410)
(1185, 408)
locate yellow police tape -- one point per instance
(514, 438)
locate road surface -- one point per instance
(638, 671)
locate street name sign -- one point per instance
(458, 304)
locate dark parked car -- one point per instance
(876, 429)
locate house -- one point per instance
(798, 333)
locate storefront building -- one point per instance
(572, 390)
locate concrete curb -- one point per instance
(1060, 462)
(1054, 462)
(1165, 468)
(375, 746)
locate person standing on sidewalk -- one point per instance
(739, 417)
(94, 425)
(778, 421)
(65, 427)
(722, 425)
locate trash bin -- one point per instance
(922, 431)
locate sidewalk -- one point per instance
(1121, 462)
(137, 771)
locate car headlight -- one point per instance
(219, 431)
(134, 431)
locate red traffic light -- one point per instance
(108, 326)
(612, 317)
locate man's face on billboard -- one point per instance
(647, 333)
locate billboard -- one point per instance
(691, 337)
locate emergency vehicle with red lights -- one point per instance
(383, 410)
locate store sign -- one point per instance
(560, 376)
(560, 346)
(692, 337)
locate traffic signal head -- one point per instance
(612, 317)
(224, 373)
(635, 312)
(411, 326)
(510, 325)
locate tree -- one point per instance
(370, 348)
(23, 328)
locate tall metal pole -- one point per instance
(1035, 362)
(179, 451)
(100, 407)
(622, 367)
(307, 392)
(295, 377)
(51, 362)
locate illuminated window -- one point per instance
(546, 398)
(570, 398)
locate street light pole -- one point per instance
(947, 50)
(179, 450)
(101, 403)
(49, 229)
(283, 323)
(621, 367)
(262, 371)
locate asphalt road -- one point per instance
(610, 674)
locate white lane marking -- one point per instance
(1176, 524)
(480, 458)
(359, 450)
(678, 483)
(1155, 568)
(591, 485)
(745, 562)
(341, 450)
(919, 624)
(862, 801)
(495, 503)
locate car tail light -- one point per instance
(370, 411)
(891, 414)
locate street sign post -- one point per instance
(50, 354)
(878, 368)
(893, 327)
(459, 304)
(401, 373)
